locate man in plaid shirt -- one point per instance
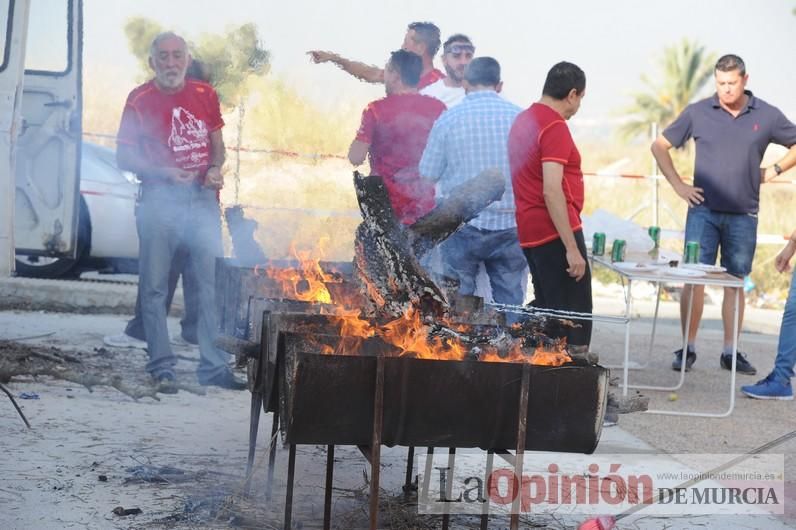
(466, 140)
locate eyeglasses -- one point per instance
(457, 49)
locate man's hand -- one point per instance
(782, 261)
(213, 178)
(318, 56)
(768, 174)
(577, 265)
(690, 194)
(179, 176)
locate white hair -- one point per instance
(160, 37)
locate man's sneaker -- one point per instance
(123, 340)
(178, 340)
(690, 359)
(166, 382)
(768, 388)
(742, 366)
(226, 380)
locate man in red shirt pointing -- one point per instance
(170, 136)
(548, 193)
(393, 134)
(422, 38)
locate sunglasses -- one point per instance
(457, 49)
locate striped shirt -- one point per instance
(468, 139)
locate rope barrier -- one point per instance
(762, 238)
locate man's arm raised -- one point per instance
(365, 72)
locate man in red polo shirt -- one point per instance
(422, 38)
(393, 134)
(548, 193)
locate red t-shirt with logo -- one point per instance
(540, 134)
(172, 130)
(397, 128)
(430, 77)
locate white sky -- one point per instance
(614, 41)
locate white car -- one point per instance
(107, 236)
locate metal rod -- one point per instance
(410, 466)
(683, 364)
(269, 481)
(490, 456)
(732, 374)
(291, 468)
(378, 411)
(522, 429)
(427, 476)
(628, 312)
(556, 313)
(254, 423)
(446, 516)
(327, 500)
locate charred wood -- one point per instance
(463, 203)
(384, 263)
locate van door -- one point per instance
(48, 159)
(13, 24)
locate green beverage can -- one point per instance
(598, 244)
(691, 252)
(618, 250)
(655, 235)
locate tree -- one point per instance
(685, 69)
(231, 58)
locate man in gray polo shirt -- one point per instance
(732, 130)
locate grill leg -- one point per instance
(327, 500)
(410, 465)
(446, 517)
(291, 468)
(375, 464)
(254, 423)
(272, 456)
(490, 455)
(522, 427)
(427, 475)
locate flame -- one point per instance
(408, 334)
(306, 283)
(551, 356)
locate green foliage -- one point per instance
(685, 69)
(140, 33)
(231, 57)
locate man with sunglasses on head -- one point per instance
(457, 52)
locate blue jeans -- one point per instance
(786, 349)
(498, 250)
(173, 216)
(735, 233)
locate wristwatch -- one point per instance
(777, 169)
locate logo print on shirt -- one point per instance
(756, 127)
(187, 132)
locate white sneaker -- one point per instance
(122, 340)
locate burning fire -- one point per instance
(308, 282)
(408, 334)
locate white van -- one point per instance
(40, 128)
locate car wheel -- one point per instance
(53, 267)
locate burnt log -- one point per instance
(389, 273)
(462, 204)
(387, 253)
